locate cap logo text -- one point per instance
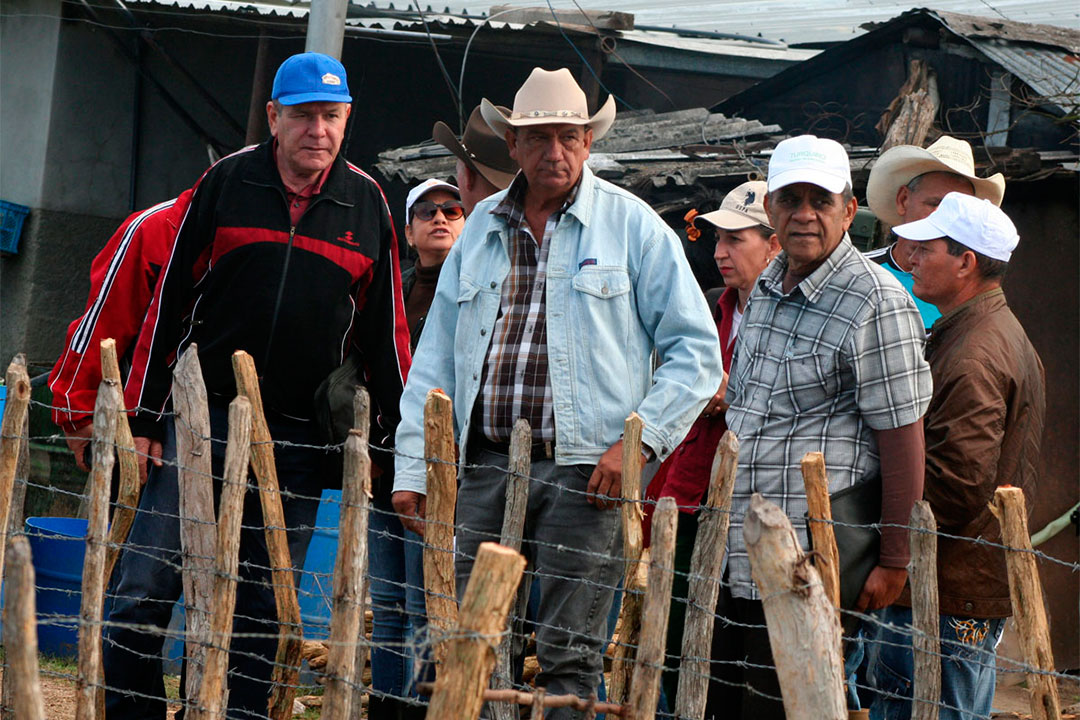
(331, 79)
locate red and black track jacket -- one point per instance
(122, 281)
(297, 299)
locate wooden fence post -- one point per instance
(819, 510)
(20, 633)
(287, 662)
(211, 696)
(14, 527)
(347, 620)
(196, 487)
(362, 423)
(439, 581)
(93, 580)
(622, 665)
(804, 632)
(127, 496)
(517, 500)
(645, 687)
(18, 400)
(1025, 589)
(925, 620)
(470, 656)
(706, 566)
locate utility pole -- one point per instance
(326, 27)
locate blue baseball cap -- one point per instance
(310, 77)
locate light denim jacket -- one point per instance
(618, 286)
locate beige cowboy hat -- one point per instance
(900, 165)
(549, 97)
(480, 148)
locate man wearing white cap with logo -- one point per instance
(907, 183)
(983, 430)
(829, 360)
(549, 308)
(287, 252)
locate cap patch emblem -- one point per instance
(331, 79)
(750, 196)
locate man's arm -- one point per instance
(963, 444)
(902, 452)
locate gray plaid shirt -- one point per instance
(819, 370)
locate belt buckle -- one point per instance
(549, 449)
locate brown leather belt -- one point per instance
(539, 451)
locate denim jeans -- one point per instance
(396, 569)
(576, 552)
(968, 665)
(148, 581)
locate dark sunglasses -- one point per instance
(451, 210)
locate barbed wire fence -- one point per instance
(468, 642)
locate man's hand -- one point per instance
(79, 443)
(411, 508)
(605, 484)
(882, 588)
(716, 404)
(147, 449)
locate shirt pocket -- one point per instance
(806, 384)
(602, 283)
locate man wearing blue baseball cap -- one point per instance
(983, 430)
(287, 252)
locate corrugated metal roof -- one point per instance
(1051, 72)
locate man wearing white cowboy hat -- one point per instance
(983, 430)
(907, 183)
(549, 308)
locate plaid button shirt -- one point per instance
(819, 369)
(516, 382)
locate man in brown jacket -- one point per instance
(983, 430)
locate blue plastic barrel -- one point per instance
(58, 547)
(316, 591)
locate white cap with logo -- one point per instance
(742, 208)
(978, 225)
(809, 159)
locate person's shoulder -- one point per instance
(879, 255)
(863, 275)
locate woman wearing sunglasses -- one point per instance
(434, 219)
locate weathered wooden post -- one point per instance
(18, 400)
(439, 529)
(211, 696)
(347, 620)
(93, 580)
(1025, 589)
(287, 661)
(517, 499)
(361, 423)
(20, 633)
(819, 510)
(470, 656)
(622, 665)
(196, 487)
(706, 565)
(14, 527)
(804, 632)
(127, 496)
(925, 620)
(645, 687)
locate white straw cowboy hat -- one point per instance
(900, 165)
(549, 97)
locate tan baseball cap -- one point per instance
(742, 208)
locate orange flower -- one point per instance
(692, 233)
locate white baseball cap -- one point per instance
(975, 223)
(742, 208)
(423, 189)
(809, 159)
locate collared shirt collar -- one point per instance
(512, 206)
(950, 317)
(813, 285)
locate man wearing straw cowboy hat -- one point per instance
(907, 183)
(983, 430)
(549, 308)
(484, 165)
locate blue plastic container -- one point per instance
(12, 216)
(316, 591)
(58, 547)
